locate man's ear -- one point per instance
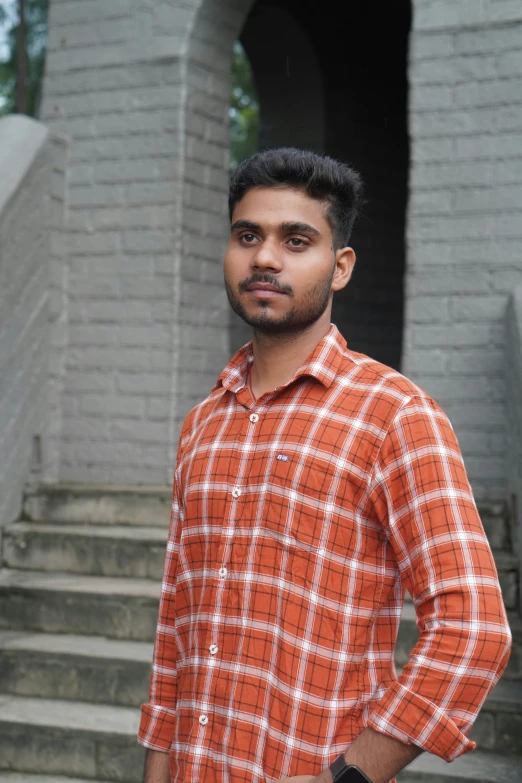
(344, 264)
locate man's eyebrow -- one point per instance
(245, 224)
(299, 228)
(288, 227)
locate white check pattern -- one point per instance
(294, 534)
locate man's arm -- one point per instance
(380, 757)
(421, 495)
(156, 767)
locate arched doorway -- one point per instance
(339, 86)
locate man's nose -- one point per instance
(267, 257)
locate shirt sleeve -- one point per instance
(158, 715)
(423, 499)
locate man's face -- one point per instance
(280, 265)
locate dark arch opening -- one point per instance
(336, 82)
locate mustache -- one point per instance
(269, 280)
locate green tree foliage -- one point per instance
(244, 109)
(36, 40)
(244, 104)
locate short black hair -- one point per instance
(319, 176)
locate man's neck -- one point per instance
(277, 358)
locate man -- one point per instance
(314, 486)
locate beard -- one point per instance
(299, 318)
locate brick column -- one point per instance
(465, 217)
(142, 91)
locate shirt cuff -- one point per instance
(157, 727)
(412, 719)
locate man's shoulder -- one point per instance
(377, 380)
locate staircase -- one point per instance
(79, 590)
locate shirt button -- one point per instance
(236, 492)
(254, 418)
(213, 649)
(223, 571)
(203, 719)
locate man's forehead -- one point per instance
(277, 206)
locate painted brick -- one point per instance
(490, 93)
(430, 202)
(428, 362)
(110, 357)
(149, 384)
(458, 335)
(429, 309)
(29, 304)
(445, 280)
(486, 40)
(436, 175)
(488, 199)
(466, 13)
(138, 431)
(478, 308)
(476, 362)
(432, 46)
(467, 389)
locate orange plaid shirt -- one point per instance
(298, 521)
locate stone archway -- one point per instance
(146, 109)
(342, 89)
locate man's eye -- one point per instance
(296, 242)
(248, 238)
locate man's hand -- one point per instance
(156, 767)
(378, 756)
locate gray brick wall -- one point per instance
(465, 217)
(142, 91)
(28, 160)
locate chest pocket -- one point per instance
(301, 498)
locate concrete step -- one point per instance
(26, 777)
(129, 505)
(499, 724)
(138, 551)
(68, 603)
(476, 767)
(110, 550)
(99, 670)
(66, 738)
(98, 505)
(70, 739)
(77, 668)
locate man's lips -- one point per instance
(265, 289)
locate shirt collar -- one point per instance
(323, 364)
